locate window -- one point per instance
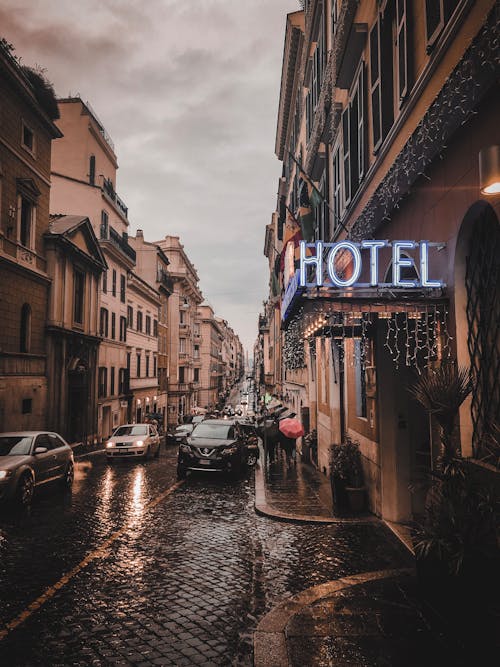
(148, 325)
(155, 328)
(26, 406)
(113, 326)
(402, 49)
(26, 222)
(55, 441)
(155, 366)
(78, 296)
(196, 354)
(182, 345)
(139, 320)
(103, 323)
(138, 374)
(104, 282)
(122, 288)
(437, 14)
(357, 131)
(28, 138)
(346, 156)
(337, 186)
(113, 284)
(130, 317)
(196, 374)
(102, 382)
(147, 365)
(335, 15)
(182, 374)
(375, 88)
(25, 329)
(122, 381)
(104, 225)
(92, 170)
(123, 329)
(112, 381)
(182, 317)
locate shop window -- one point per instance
(360, 380)
(78, 296)
(25, 332)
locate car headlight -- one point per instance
(110, 444)
(229, 451)
(184, 448)
(5, 473)
(139, 443)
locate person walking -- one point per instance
(289, 447)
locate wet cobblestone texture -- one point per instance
(184, 583)
(375, 624)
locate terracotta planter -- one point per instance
(356, 498)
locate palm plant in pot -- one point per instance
(456, 546)
(346, 474)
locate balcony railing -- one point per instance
(180, 387)
(121, 242)
(22, 254)
(165, 280)
(108, 189)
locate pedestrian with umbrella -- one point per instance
(290, 429)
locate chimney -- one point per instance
(139, 234)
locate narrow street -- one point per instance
(135, 570)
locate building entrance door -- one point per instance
(78, 401)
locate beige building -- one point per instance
(152, 265)
(184, 332)
(232, 356)
(143, 304)
(75, 263)
(84, 167)
(212, 369)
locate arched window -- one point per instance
(25, 342)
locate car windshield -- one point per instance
(15, 445)
(185, 427)
(211, 431)
(131, 430)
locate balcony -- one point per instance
(16, 251)
(113, 198)
(165, 280)
(180, 387)
(120, 242)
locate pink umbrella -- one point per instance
(290, 427)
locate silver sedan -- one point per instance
(131, 440)
(31, 458)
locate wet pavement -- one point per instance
(125, 572)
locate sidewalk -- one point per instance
(370, 619)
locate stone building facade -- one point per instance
(27, 130)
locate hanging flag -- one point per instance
(306, 213)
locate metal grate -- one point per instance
(483, 316)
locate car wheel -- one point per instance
(251, 460)
(25, 490)
(181, 472)
(69, 476)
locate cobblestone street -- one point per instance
(143, 578)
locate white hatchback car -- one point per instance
(131, 440)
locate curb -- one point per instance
(93, 453)
(264, 509)
(269, 639)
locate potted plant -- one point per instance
(456, 546)
(347, 477)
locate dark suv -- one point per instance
(217, 445)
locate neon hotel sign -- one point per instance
(323, 258)
(320, 262)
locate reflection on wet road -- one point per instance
(175, 578)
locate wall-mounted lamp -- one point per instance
(489, 170)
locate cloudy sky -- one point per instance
(188, 91)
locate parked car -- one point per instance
(216, 445)
(197, 419)
(179, 434)
(29, 459)
(131, 440)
